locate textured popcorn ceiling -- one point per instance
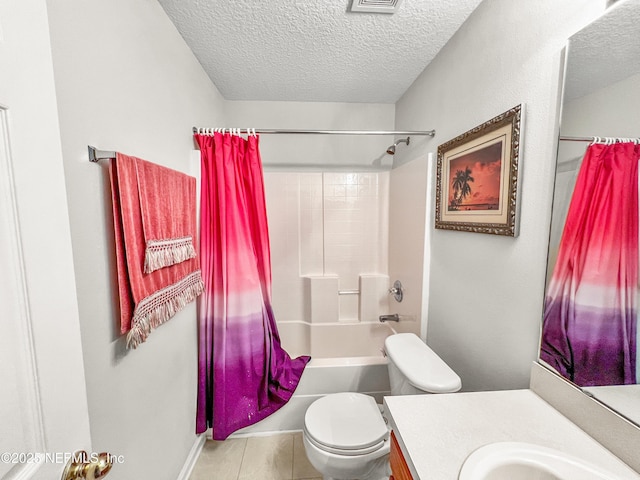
(604, 52)
(314, 50)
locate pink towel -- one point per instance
(166, 197)
(153, 209)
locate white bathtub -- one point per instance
(345, 357)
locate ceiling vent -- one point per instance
(375, 6)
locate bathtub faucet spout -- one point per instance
(394, 317)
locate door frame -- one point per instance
(34, 203)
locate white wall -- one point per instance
(319, 151)
(611, 111)
(485, 292)
(126, 81)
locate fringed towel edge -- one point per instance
(160, 306)
(164, 253)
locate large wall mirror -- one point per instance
(601, 98)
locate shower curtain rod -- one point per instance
(577, 139)
(591, 139)
(96, 155)
(430, 133)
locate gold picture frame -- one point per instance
(478, 177)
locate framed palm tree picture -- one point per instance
(477, 177)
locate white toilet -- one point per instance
(345, 435)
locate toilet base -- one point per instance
(371, 466)
(381, 470)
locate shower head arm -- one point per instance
(392, 149)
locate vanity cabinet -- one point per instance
(399, 467)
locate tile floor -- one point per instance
(277, 457)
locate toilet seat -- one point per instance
(345, 452)
(346, 423)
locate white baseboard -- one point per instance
(192, 458)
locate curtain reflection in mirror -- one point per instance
(589, 329)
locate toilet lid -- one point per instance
(346, 421)
(421, 366)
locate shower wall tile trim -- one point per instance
(326, 224)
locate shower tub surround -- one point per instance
(327, 230)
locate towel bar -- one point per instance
(96, 155)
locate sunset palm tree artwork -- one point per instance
(461, 187)
(474, 181)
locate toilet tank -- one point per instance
(416, 369)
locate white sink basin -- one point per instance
(526, 461)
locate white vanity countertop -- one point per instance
(438, 432)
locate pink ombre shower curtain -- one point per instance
(589, 329)
(244, 375)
